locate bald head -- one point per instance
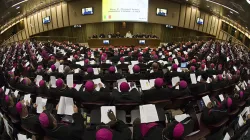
(155, 66)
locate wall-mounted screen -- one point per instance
(106, 42)
(142, 42)
(46, 20)
(87, 11)
(161, 12)
(125, 10)
(200, 21)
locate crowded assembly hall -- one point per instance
(124, 70)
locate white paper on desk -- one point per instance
(61, 69)
(104, 113)
(235, 69)
(38, 79)
(152, 83)
(181, 117)
(185, 52)
(65, 106)
(21, 79)
(92, 62)
(173, 56)
(119, 83)
(179, 69)
(170, 53)
(208, 80)
(169, 68)
(97, 82)
(199, 78)
(16, 93)
(145, 85)
(245, 83)
(21, 137)
(206, 99)
(53, 81)
(80, 63)
(238, 89)
(193, 78)
(70, 80)
(248, 81)
(26, 98)
(221, 97)
(7, 126)
(134, 63)
(96, 71)
(176, 61)
(148, 113)
(13, 69)
(40, 102)
(108, 62)
(228, 59)
(78, 86)
(163, 56)
(175, 80)
(57, 64)
(54, 50)
(130, 68)
(7, 91)
(76, 70)
(27, 64)
(241, 121)
(227, 137)
(214, 76)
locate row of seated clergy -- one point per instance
(48, 124)
(37, 124)
(216, 110)
(127, 95)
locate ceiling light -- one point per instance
(248, 1)
(231, 12)
(19, 3)
(223, 6)
(208, 6)
(18, 7)
(18, 12)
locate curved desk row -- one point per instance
(97, 43)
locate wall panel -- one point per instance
(59, 15)
(209, 24)
(65, 14)
(188, 17)
(54, 17)
(26, 27)
(45, 26)
(192, 20)
(24, 35)
(29, 26)
(216, 24)
(182, 15)
(205, 23)
(48, 13)
(19, 35)
(212, 25)
(198, 15)
(202, 15)
(40, 21)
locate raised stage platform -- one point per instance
(96, 42)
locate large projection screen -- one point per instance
(125, 10)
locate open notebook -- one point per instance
(65, 106)
(148, 113)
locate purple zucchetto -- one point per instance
(89, 86)
(112, 69)
(104, 134)
(158, 82)
(183, 84)
(59, 83)
(124, 87)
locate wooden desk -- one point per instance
(97, 43)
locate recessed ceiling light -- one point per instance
(231, 12)
(208, 6)
(18, 12)
(248, 1)
(17, 7)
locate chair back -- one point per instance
(28, 130)
(166, 104)
(126, 106)
(181, 102)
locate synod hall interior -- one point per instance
(124, 70)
